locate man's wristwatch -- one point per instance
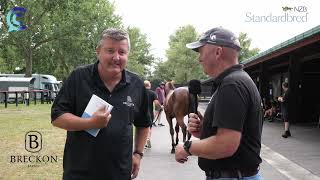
(140, 153)
(187, 146)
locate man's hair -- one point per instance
(230, 54)
(147, 84)
(115, 34)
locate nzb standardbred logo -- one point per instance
(33, 141)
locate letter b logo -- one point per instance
(33, 141)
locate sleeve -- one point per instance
(64, 102)
(157, 92)
(143, 119)
(231, 108)
(154, 96)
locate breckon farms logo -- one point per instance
(33, 145)
(288, 14)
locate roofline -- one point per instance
(285, 47)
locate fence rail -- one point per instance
(25, 96)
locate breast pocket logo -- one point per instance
(11, 19)
(129, 102)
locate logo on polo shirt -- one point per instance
(129, 102)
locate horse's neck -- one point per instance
(168, 91)
(168, 95)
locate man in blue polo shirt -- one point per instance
(109, 155)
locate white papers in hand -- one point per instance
(93, 105)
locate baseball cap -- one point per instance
(216, 36)
(162, 83)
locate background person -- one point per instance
(152, 99)
(284, 109)
(161, 98)
(271, 112)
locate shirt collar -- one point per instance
(125, 78)
(217, 81)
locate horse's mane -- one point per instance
(170, 85)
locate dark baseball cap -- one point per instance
(216, 36)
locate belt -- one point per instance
(231, 173)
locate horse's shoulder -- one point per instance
(183, 90)
(183, 87)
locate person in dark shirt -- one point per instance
(271, 111)
(230, 130)
(152, 99)
(110, 155)
(284, 109)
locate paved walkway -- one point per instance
(295, 158)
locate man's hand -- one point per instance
(135, 165)
(100, 118)
(195, 124)
(181, 154)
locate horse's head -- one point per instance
(168, 87)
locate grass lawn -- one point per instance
(15, 122)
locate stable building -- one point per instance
(296, 61)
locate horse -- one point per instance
(179, 103)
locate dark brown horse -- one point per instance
(177, 105)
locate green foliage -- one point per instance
(9, 60)
(182, 64)
(245, 43)
(140, 57)
(163, 71)
(60, 35)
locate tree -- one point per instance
(9, 59)
(182, 62)
(163, 71)
(245, 43)
(140, 57)
(60, 34)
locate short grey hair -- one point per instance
(115, 34)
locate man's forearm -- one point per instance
(223, 145)
(140, 138)
(71, 122)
